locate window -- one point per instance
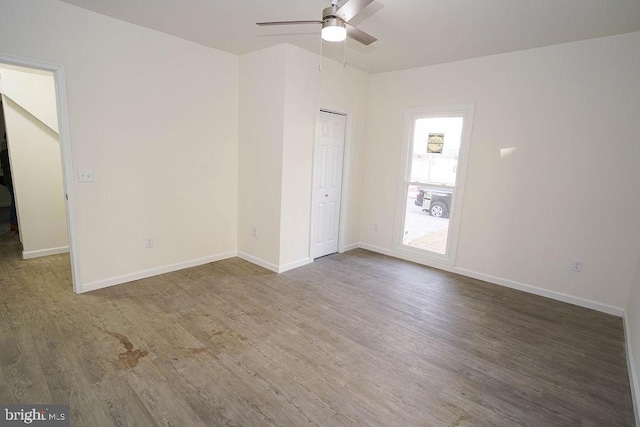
(435, 154)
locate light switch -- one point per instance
(85, 176)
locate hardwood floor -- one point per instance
(352, 339)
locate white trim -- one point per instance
(350, 247)
(558, 296)
(67, 173)
(631, 367)
(65, 151)
(466, 111)
(273, 267)
(408, 256)
(300, 263)
(257, 261)
(346, 168)
(45, 252)
(118, 280)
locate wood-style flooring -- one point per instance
(352, 339)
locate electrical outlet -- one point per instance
(254, 232)
(375, 227)
(148, 242)
(576, 265)
(85, 176)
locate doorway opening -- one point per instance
(328, 160)
(38, 156)
(435, 150)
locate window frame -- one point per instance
(466, 111)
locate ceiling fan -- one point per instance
(335, 22)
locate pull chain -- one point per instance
(344, 53)
(320, 66)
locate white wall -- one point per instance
(346, 90)
(34, 90)
(308, 89)
(262, 82)
(31, 119)
(281, 92)
(566, 192)
(155, 118)
(301, 94)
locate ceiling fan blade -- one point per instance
(351, 9)
(264, 24)
(359, 35)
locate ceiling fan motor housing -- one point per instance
(329, 19)
(329, 12)
(333, 22)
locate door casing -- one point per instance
(346, 162)
(65, 150)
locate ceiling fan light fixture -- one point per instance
(333, 30)
(335, 22)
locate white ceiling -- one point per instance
(411, 33)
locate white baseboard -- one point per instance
(118, 280)
(347, 248)
(45, 252)
(559, 296)
(273, 267)
(257, 261)
(294, 264)
(582, 302)
(153, 272)
(633, 374)
(385, 251)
